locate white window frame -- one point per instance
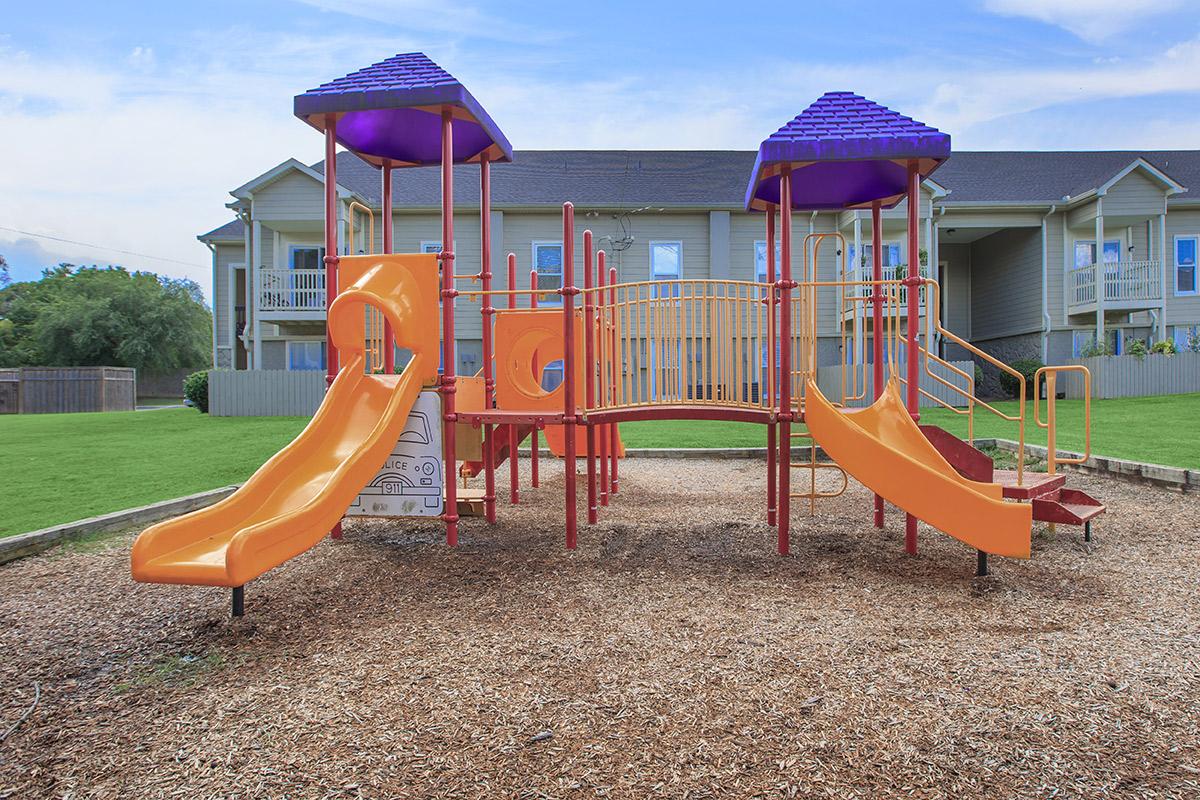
(868, 269)
(295, 247)
(547, 299)
(1119, 241)
(656, 276)
(287, 358)
(1195, 266)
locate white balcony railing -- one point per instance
(889, 273)
(1126, 283)
(291, 289)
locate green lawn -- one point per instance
(62, 467)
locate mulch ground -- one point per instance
(672, 655)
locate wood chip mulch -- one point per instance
(672, 655)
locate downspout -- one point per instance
(213, 250)
(1046, 321)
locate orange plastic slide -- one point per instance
(884, 450)
(294, 499)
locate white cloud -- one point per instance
(442, 16)
(1091, 20)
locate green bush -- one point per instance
(1136, 347)
(1094, 349)
(1027, 367)
(195, 389)
(978, 377)
(1164, 348)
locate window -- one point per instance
(1185, 264)
(1186, 338)
(891, 261)
(760, 260)
(431, 247)
(666, 264)
(306, 355)
(1085, 252)
(306, 257)
(1084, 340)
(548, 261)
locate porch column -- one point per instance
(1163, 262)
(1101, 284)
(256, 265)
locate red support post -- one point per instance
(770, 371)
(331, 257)
(785, 360)
(612, 428)
(389, 336)
(487, 312)
(913, 283)
(877, 318)
(569, 291)
(533, 434)
(602, 430)
(514, 472)
(589, 374)
(449, 385)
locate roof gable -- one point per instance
(247, 190)
(1169, 184)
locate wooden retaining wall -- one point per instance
(265, 393)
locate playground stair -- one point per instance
(1051, 500)
(470, 469)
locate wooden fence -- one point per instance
(61, 390)
(265, 393)
(1130, 376)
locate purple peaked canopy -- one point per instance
(845, 152)
(392, 110)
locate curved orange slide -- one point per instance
(294, 499)
(884, 450)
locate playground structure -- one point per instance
(634, 350)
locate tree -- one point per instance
(104, 317)
(5, 278)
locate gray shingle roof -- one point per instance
(234, 229)
(717, 178)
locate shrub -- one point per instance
(1095, 348)
(978, 377)
(1027, 367)
(1136, 347)
(1164, 348)
(195, 389)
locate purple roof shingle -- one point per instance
(392, 110)
(845, 151)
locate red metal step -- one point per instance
(1067, 507)
(970, 462)
(1033, 484)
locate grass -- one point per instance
(153, 402)
(57, 468)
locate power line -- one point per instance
(102, 247)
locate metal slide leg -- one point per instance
(239, 601)
(981, 565)
(1087, 531)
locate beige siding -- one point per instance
(1056, 270)
(411, 230)
(222, 301)
(293, 196)
(1082, 215)
(1006, 285)
(1134, 195)
(1181, 309)
(956, 286)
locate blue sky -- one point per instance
(127, 123)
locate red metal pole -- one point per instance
(612, 428)
(877, 318)
(589, 375)
(785, 361)
(772, 445)
(487, 312)
(514, 473)
(389, 336)
(449, 387)
(601, 274)
(533, 434)
(568, 294)
(331, 257)
(914, 283)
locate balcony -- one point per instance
(864, 291)
(1127, 286)
(291, 294)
